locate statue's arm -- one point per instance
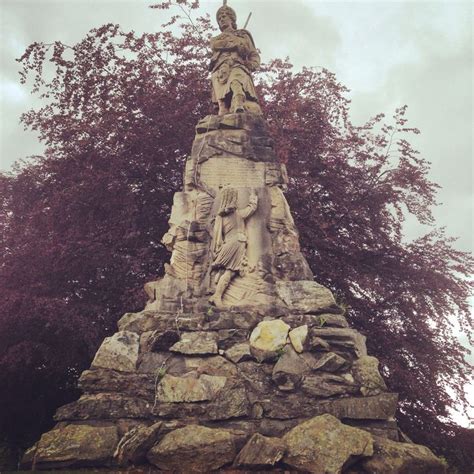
(224, 44)
(250, 208)
(253, 58)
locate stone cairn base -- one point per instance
(290, 390)
(274, 380)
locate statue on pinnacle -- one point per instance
(234, 58)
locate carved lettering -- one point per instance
(237, 172)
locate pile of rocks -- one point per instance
(218, 389)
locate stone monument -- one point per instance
(240, 360)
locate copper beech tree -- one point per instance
(81, 224)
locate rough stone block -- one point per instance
(231, 402)
(137, 322)
(328, 385)
(211, 365)
(104, 406)
(298, 337)
(366, 373)
(379, 407)
(289, 369)
(118, 352)
(239, 352)
(260, 452)
(195, 449)
(268, 338)
(306, 296)
(343, 339)
(73, 446)
(196, 343)
(402, 458)
(136, 443)
(324, 445)
(188, 389)
(127, 383)
(329, 362)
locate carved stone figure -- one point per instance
(234, 58)
(229, 240)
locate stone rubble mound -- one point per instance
(223, 390)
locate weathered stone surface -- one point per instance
(343, 339)
(298, 337)
(268, 338)
(195, 449)
(136, 443)
(152, 362)
(194, 321)
(387, 429)
(138, 322)
(379, 407)
(277, 428)
(73, 446)
(118, 352)
(104, 406)
(233, 320)
(231, 402)
(128, 383)
(214, 365)
(330, 362)
(188, 389)
(226, 338)
(168, 292)
(258, 377)
(260, 451)
(239, 352)
(324, 445)
(365, 371)
(318, 345)
(250, 122)
(316, 320)
(162, 321)
(196, 343)
(289, 369)
(391, 457)
(306, 296)
(327, 385)
(124, 425)
(181, 411)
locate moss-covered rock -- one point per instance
(73, 446)
(196, 449)
(325, 445)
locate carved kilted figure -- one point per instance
(229, 240)
(234, 58)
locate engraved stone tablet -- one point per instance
(237, 172)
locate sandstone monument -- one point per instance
(240, 360)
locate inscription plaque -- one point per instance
(232, 171)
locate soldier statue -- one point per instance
(234, 58)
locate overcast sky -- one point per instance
(387, 53)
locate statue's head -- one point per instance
(228, 201)
(226, 18)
